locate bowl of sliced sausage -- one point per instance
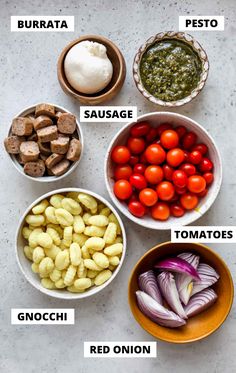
(45, 142)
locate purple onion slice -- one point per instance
(148, 284)
(184, 282)
(156, 312)
(200, 302)
(178, 265)
(208, 277)
(169, 291)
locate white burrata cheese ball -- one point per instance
(87, 67)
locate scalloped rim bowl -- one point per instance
(201, 325)
(46, 179)
(25, 264)
(188, 39)
(155, 119)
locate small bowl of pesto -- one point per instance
(170, 69)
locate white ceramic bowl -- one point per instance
(46, 179)
(155, 119)
(25, 264)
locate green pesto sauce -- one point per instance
(170, 70)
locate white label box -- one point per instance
(120, 349)
(42, 316)
(108, 114)
(42, 23)
(208, 234)
(201, 23)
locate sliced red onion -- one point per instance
(190, 258)
(156, 312)
(208, 277)
(200, 302)
(148, 284)
(184, 282)
(178, 265)
(169, 291)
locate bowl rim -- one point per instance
(186, 38)
(73, 92)
(165, 224)
(56, 293)
(47, 179)
(212, 253)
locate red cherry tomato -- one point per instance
(176, 210)
(181, 130)
(134, 197)
(180, 191)
(139, 168)
(174, 198)
(120, 154)
(152, 135)
(186, 156)
(189, 140)
(165, 190)
(175, 157)
(196, 184)
(123, 172)
(140, 129)
(143, 158)
(136, 208)
(203, 193)
(168, 172)
(138, 181)
(169, 139)
(205, 165)
(133, 160)
(154, 174)
(160, 211)
(189, 201)
(188, 168)
(209, 177)
(202, 148)
(155, 154)
(123, 189)
(180, 178)
(195, 157)
(162, 127)
(136, 145)
(148, 197)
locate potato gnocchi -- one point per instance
(73, 241)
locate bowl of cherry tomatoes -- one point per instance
(164, 169)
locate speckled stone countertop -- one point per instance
(28, 75)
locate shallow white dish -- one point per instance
(25, 264)
(155, 119)
(46, 179)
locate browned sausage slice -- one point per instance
(12, 144)
(42, 121)
(53, 159)
(66, 123)
(29, 151)
(60, 168)
(22, 126)
(44, 148)
(58, 113)
(45, 109)
(60, 146)
(74, 151)
(35, 169)
(47, 134)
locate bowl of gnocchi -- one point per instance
(70, 243)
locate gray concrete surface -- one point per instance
(28, 75)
